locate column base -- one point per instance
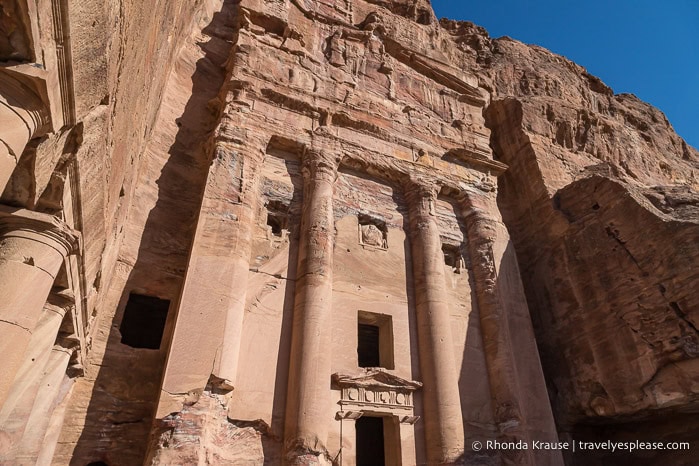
(300, 453)
(306, 459)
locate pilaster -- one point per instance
(206, 341)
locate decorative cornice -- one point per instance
(440, 73)
(375, 379)
(376, 390)
(477, 160)
(393, 170)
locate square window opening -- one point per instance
(143, 323)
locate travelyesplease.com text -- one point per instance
(607, 445)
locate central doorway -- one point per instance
(370, 441)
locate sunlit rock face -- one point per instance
(601, 202)
(273, 232)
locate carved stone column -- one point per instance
(14, 413)
(32, 249)
(518, 390)
(22, 117)
(481, 232)
(442, 405)
(24, 418)
(206, 340)
(54, 381)
(308, 413)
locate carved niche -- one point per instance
(453, 257)
(373, 232)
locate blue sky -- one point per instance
(647, 48)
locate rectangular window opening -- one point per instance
(143, 323)
(375, 340)
(368, 346)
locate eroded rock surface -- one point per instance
(601, 200)
(287, 180)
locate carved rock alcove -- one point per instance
(372, 232)
(453, 257)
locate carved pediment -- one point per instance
(376, 389)
(375, 379)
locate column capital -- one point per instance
(47, 229)
(421, 196)
(320, 163)
(478, 205)
(421, 188)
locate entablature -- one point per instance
(376, 390)
(41, 59)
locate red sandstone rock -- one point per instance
(284, 171)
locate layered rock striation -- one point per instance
(262, 231)
(600, 199)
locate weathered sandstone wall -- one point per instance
(86, 170)
(600, 199)
(314, 131)
(159, 196)
(280, 173)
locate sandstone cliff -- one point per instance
(601, 201)
(184, 162)
(86, 171)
